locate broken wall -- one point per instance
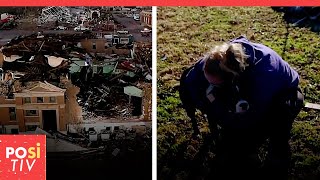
(100, 45)
(62, 120)
(1, 59)
(147, 101)
(73, 112)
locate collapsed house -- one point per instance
(49, 81)
(54, 13)
(63, 18)
(7, 21)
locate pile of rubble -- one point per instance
(104, 93)
(7, 21)
(88, 145)
(41, 57)
(77, 18)
(102, 79)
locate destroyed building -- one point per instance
(48, 81)
(108, 43)
(7, 21)
(95, 77)
(89, 92)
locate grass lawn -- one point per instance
(187, 33)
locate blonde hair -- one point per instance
(230, 57)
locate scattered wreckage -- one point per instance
(79, 19)
(110, 85)
(110, 92)
(7, 21)
(92, 144)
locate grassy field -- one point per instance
(185, 34)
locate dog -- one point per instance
(187, 103)
(229, 93)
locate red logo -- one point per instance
(23, 157)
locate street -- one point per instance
(134, 28)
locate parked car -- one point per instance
(81, 28)
(61, 28)
(146, 30)
(136, 17)
(123, 32)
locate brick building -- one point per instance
(146, 18)
(41, 105)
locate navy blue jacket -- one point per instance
(267, 76)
